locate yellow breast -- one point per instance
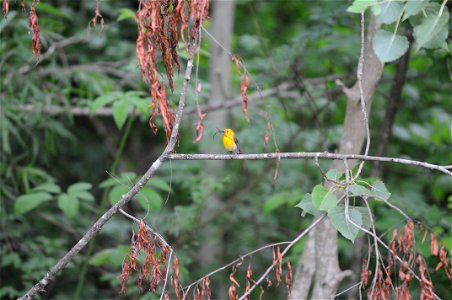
(228, 143)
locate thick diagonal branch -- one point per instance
(40, 286)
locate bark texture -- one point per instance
(323, 259)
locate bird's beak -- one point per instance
(218, 131)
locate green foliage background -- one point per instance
(58, 172)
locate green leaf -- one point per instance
(307, 206)
(82, 195)
(124, 178)
(379, 191)
(104, 100)
(431, 31)
(126, 14)
(68, 204)
(439, 40)
(150, 199)
(108, 183)
(340, 222)
(25, 203)
(413, 8)
(333, 175)
(360, 6)
(51, 10)
(391, 11)
(49, 187)
(159, 184)
(322, 199)
(110, 257)
(79, 187)
(142, 104)
(117, 192)
(120, 110)
(359, 191)
(389, 46)
(280, 199)
(365, 216)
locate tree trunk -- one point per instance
(321, 261)
(391, 110)
(220, 80)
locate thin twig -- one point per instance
(40, 286)
(347, 289)
(308, 155)
(238, 260)
(301, 235)
(359, 75)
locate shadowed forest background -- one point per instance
(75, 137)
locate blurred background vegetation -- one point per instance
(60, 169)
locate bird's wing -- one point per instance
(238, 145)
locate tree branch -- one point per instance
(308, 155)
(38, 287)
(108, 111)
(299, 237)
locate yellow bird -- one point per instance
(230, 142)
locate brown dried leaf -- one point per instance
(197, 294)
(232, 292)
(408, 237)
(33, 21)
(206, 288)
(125, 275)
(266, 138)
(289, 280)
(402, 292)
(394, 235)
(243, 89)
(237, 61)
(97, 15)
(176, 267)
(249, 280)
(269, 283)
(278, 270)
(234, 284)
(425, 236)
(365, 273)
(199, 126)
(261, 294)
(143, 240)
(433, 245)
(5, 8)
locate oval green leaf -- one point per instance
(150, 199)
(49, 187)
(79, 186)
(120, 111)
(69, 205)
(389, 46)
(25, 203)
(340, 222)
(307, 206)
(322, 199)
